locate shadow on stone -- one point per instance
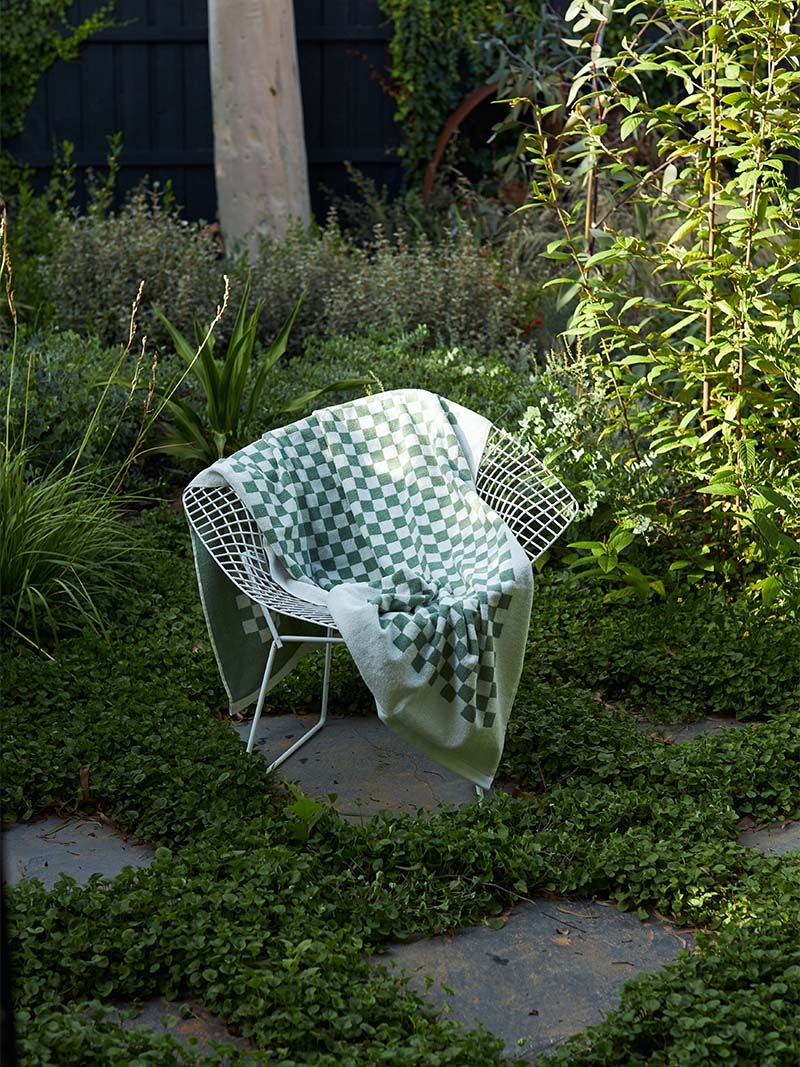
(185, 1021)
(678, 732)
(363, 762)
(779, 839)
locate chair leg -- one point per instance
(323, 713)
(262, 694)
(326, 680)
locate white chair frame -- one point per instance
(518, 487)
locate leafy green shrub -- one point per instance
(572, 420)
(69, 371)
(66, 379)
(454, 287)
(694, 326)
(459, 291)
(406, 360)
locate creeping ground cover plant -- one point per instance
(266, 910)
(671, 409)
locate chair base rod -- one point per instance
(299, 639)
(293, 748)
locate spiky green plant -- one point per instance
(229, 411)
(63, 547)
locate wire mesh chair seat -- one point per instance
(510, 479)
(230, 535)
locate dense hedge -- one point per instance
(260, 905)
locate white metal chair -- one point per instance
(510, 479)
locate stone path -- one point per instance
(777, 840)
(366, 764)
(679, 732)
(554, 968)
(186, 1021)
(79, 847)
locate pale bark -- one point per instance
(259, 146)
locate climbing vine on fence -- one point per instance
(440, 50)
(35, 35)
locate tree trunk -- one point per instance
(259, 147)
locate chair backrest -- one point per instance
(512, 481)
(230, 535)
(527, 496)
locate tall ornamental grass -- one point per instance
(64, 550)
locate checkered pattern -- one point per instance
(252, 620)
(382, 494)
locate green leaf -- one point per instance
(771, 589)
(299, 403)
(270, 358)
(687, 227)
(629, 124)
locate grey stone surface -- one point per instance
(777, 840)
(184, 1020)
(678, 732)
(79, 847)
(555, 968)
(365, 763)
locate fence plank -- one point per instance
(149, 80)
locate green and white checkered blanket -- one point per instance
(370, 509)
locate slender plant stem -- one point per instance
(711, 204)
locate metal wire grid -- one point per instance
(529, 498)
(512, 481)
(229, 533)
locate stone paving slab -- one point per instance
(555, 968)
(184, 1020)
(79, 847)
(678, 732)
(779, 839)
(366, 764)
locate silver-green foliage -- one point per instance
(92, 272)
(95, 263)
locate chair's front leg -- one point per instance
(262, 694)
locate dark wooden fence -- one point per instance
(149, 80)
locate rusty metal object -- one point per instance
(466, 107)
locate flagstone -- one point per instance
(188, 1022)
(367, 765)
(679, 732)
(778, 839)
(79, 847)
(554, 968)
